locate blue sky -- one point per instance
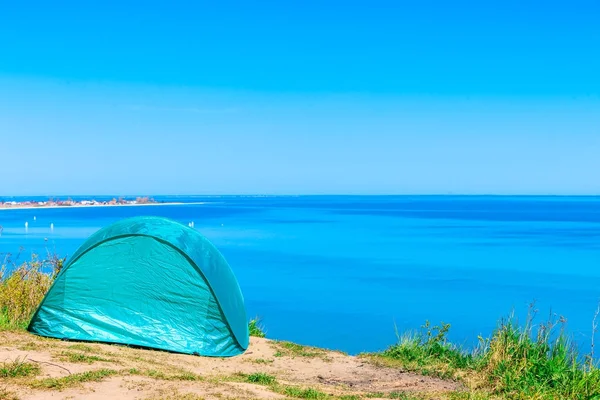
(300, 97)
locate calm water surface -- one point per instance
(343, 272)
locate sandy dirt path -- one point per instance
(268, 370)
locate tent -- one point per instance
(148, 282)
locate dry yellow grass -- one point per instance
(22, 288)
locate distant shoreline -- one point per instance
(41, 207)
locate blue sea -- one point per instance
(347, 272)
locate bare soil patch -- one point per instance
(74, 370)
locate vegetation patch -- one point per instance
(302, 393)
(536, 361)
(82, 347)
(427, 352)
(6, 394)
(396, 395)
(256, 329)
(30, 346)
(174, 395)
(22, 288)
(296, 350)
(413, 396)
(72, 380)
(176, 375)
(261, 361)
(261, 378)
(75, 357)
(18, 368)
(473, 395)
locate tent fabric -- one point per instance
(150, 282)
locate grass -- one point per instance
(73, 379)
(174, 394)
(396, 395)
(22, 290)
(261, 378)
(82, 347)
(6, 394)
(18, 368)
(428, 353)
(264, 379)
(533, 362)
(256, 329)
(297, 350)
(75, 357)
(262, 361)
(176, 375)
(302, 393)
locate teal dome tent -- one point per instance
(148, 282)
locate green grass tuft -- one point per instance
(301, 393)
(256, 329)
(429, 353)
(261, 378)
(18, 368)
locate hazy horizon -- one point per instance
(125, 195)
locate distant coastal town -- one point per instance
(76, 203)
